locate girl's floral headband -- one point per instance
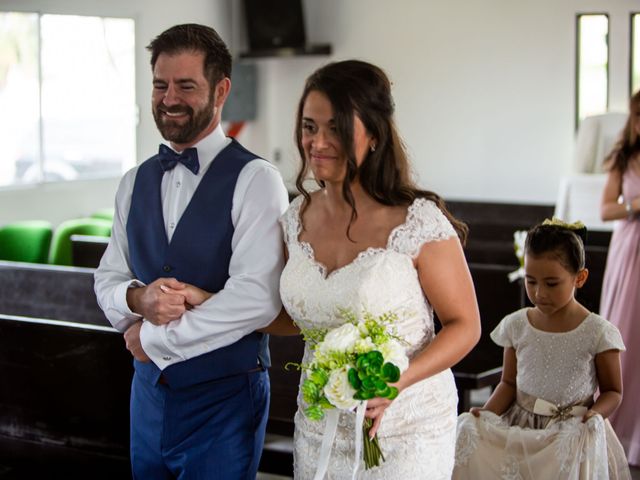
(577, 227)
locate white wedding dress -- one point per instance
(418, 430)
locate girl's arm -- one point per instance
(609, 384)
(610, 209)
(505, 393)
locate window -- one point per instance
(634, 80)
(67, 96)
(592, 65)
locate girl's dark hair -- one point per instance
(354, 86)
(196, 38)
(629, 143)
(563, 242)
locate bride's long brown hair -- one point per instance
(354, 86)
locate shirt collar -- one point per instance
(209, 147)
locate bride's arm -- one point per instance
(446, 281)
(282, 326)
(447, 284)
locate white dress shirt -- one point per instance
(250, 298)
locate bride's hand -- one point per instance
(375, 411)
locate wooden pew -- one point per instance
(65, 375)
(66, 379)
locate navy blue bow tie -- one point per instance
(169, 159)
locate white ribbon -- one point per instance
(548, 409)
(330, 429)
(359, 422)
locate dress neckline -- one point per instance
(536, 329)
(367, 252)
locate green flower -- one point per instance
(310, 391)
(319, 376)
(314, 412)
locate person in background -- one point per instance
(201, 216)
(620, 301)
(542, 420)
(370, 240)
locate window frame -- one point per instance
(42, 157)
(577, 62)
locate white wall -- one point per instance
(484, 90)
(59, 201)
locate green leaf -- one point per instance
(375, 357)
(384, 392)
(390, 373)
(380, 384)
(368, 385)
(367, 395)
(393, 394)
(354, 380)
(362, 362)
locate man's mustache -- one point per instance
(176, 109)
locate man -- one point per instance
(199, 218)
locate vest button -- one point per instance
(166, 268)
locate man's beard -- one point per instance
(183, 133)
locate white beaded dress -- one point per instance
(417, 434)
(520, 444)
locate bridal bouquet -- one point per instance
(352, 364)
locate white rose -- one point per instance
(341, 339)
(394, 352)
(339, 391)
(364, 345)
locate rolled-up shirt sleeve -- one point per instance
(250, 298)
(114, 276)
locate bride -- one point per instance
(369, 240)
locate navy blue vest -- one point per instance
(199, 254)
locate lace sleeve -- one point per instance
(425, 223)
(290, 221)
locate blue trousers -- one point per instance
(213, 430)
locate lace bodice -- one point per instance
(558, 367)
(420, 424)
(377, 280)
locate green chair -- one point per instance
(104, 213)
(60, 252)
(25, 241)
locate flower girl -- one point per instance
(542, 421)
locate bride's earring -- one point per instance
(372, 147)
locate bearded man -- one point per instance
(192, 271)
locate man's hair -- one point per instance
(191, 37)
